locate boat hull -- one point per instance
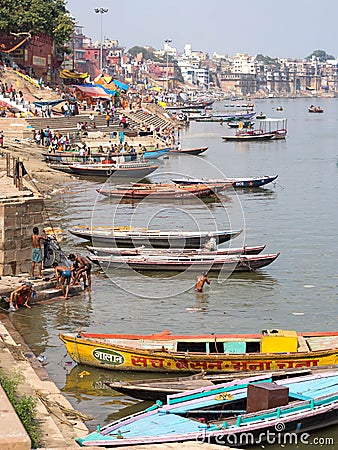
(249, 137)
(243, 436)
(250, 182)
(104, 251)
(153, 389)
(172, 192)
(98, 353)
(189, 151)
(69, 157)
(239, 264)
(156, 241)
(132, 172)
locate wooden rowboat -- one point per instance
(181, 263)
(106, 251)
(214, 353)
(244, 182)
(128, 170)
(152, 238)
(153, 389)
(189, 151)
(253, 135)
(155, 191)
(245, 411)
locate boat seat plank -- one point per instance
(322, 342)
(302, 344)
(207, 403)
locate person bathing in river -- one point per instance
(21, 296)
(200, 281)
(63, 276)
(81, 266)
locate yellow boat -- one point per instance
(163, 352)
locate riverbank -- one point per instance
(60, 424)
(39, 176)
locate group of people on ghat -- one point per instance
(12, 93)
(51, 139)
(78, 270)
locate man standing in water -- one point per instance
(63, 276)
(37, 251)
(200, 281)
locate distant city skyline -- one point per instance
(288, 29)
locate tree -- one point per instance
(268, 61)
(319, 55)
(147, 53)
(37, 16)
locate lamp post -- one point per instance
(101, 11)
(167, 41)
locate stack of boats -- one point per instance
(127, 165)
(277, 381)
(178, 251)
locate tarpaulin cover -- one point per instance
(73, 75)
(48, 102)
(103, 79)
(121, 85)
(108, 89)
(92, 91)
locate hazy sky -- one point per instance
(277, 28)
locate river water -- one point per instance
(297, 216)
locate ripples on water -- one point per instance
(297, 216)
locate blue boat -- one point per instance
(240, 412)
(249, 182)
(154, 154)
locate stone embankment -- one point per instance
(60, 424)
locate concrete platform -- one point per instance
(60, 423)
(46, 290)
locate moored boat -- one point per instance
(72, 157)
(159, 388)
(249, 135)
(241, 124)
(106, 251)
(249, 182)
(134, 237)
(276, 126)
(226, 117)
(192, 105)
(182, 263)
(163, 352)
(125, 170)
(245, 411)
(164, 191)
(189, 151)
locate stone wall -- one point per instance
(18, 216)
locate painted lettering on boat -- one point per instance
(217, 365)
(108, 356)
